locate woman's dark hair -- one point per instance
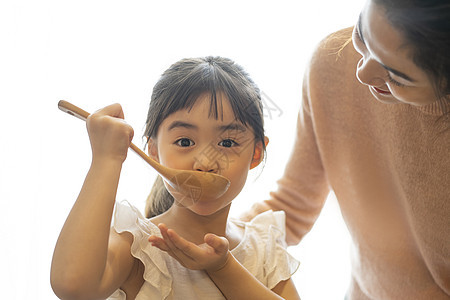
(425, 25)
(179, 88)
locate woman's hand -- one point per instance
(210, 256)
(109, 134)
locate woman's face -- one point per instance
(386, 66)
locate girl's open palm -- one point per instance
(209, 256)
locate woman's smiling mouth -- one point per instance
(380, 91)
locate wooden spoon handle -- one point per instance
(75, 111)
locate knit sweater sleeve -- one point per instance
(303, 188)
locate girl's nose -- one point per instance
(203, 163)
(370, 72)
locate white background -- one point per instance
(94, 53)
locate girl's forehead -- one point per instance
(207, 106)
(199, 117)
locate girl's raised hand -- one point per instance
(109, 134)
(209, 256)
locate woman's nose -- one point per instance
(370, 72)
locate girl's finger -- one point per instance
(173, 250)
(163, 228)
(113, 110)
(159, 243)
(183, 245)
(220, 244)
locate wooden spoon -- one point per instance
(195, 185)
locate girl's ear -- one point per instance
(152, 149)
(258, 153)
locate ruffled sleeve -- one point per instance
(156, 274)
(263, 250)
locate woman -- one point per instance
(381, 141)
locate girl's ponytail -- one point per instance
(159, 200)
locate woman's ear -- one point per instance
(258, 153)
(152, 149)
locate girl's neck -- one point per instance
(192, 226)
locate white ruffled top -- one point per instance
(262, 251)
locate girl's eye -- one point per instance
(227, 143)
(184, 142)
(393, 81)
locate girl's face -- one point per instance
(386, 66)
(193, 140)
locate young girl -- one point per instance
(205, 115)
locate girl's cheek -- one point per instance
(172, 160)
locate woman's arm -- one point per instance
(303, 188)
(86, 255)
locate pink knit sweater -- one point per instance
(389, 166)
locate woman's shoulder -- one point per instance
(338, 39)
(332, 64)
(334, 50)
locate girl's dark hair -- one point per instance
(425, 25)
(179, 88)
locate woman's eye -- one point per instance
(184, 142)
(393, 81)
(227, 143)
